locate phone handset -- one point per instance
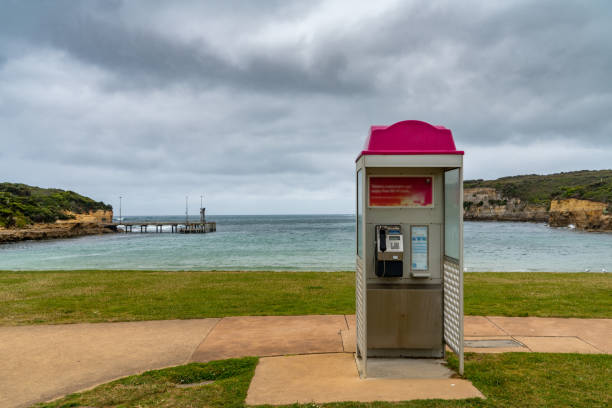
(382, 240)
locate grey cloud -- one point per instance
(490, 64)
(242, 97)
(147, 58)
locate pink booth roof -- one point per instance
(409, 137)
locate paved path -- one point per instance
(38, 363)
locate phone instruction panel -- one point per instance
(419, 246)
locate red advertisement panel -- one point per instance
(401, 191)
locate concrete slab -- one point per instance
(590, 335)
(596, 332)
(493, 350)
(323, 378)
(492, 343)
(557, 345)
(272, 336)
(480, 326)
(408, 368)
(349, 341)
(351, 321)
(45, 362)
(466, 338)
(602, 342)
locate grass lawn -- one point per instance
(507, 380)
(46, 297)
(540, 294)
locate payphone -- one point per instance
(409, 280)
(389, 251)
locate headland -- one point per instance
(34, 213)
(582, 199)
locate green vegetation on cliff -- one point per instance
(594, 185)
(21, 204)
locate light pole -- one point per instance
(202, 218)
(186, 211)
(120, 218)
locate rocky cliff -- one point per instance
(96, 217)
(583, 214)
(488, 204)
(92, 223)
(581, 198)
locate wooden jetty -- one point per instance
(175, 227)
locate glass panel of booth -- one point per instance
(452, 213)
(360, 213)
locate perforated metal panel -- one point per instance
(360, 296)
(453, 308)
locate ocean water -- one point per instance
(304, 242)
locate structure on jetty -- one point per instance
(175, 227)
(184, 227)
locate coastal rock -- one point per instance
(53, 231)
(487, 204)
(92, 217)
(92, 223)
(584, 214)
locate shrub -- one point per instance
(21, 205)
(593, 185)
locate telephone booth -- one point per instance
(409, 272)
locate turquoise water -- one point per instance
(304, 242)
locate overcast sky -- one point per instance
(264, 105)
